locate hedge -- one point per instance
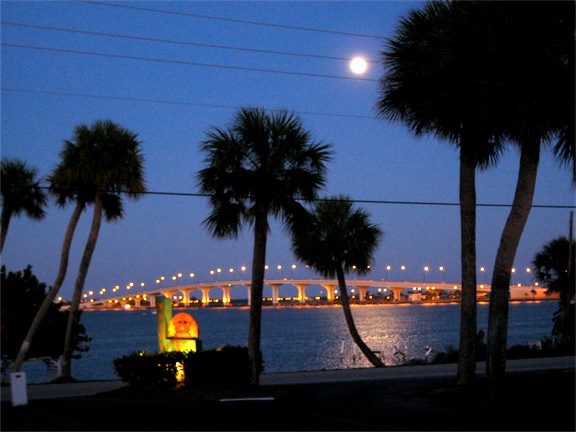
(223, 367)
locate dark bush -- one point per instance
(218, 368)
(150, 371)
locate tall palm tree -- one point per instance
(337, 239)
(440, 79)
(102, 163)
(54, 289)
(260, 166)
(536, 52)
(21, 192)
(554, 268)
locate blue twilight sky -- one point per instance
(171, 93)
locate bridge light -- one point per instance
(192, 275)
(142, 284)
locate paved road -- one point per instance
(88, 388)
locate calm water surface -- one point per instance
(299, 338)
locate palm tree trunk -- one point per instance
(256, 291)
(372, 358)
(66, 372)
(468, 312)
(500, 290)
(4, 223)
(53, 290)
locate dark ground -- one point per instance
(529, 401)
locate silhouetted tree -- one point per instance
(257, 168)
(21, 192)
(335, 240)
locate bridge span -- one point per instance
(361, 290)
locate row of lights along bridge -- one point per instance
(217, 275)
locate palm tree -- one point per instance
(536, 54)
(259, 167)
(553, 269)
(337, 239)
(21, 192)
(102, 163)
(54, 289)
(440, 79)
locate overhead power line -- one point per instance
(363, 201)
(186, 63)
(183, 103)
(177, 42)
(235, 20)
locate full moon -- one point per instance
(358, 65)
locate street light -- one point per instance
(403, 268)
(388, 268)
(441, 268)
(426, 268)
(483, 270)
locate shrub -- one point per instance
(216, 368)
(227, 366)
(152, 371)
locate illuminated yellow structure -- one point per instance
(178, 332)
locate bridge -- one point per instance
(361, 290)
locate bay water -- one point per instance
(299, 338)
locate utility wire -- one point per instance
(235, 20)
(129, 99)
(176, 42)
(363, 201)
(186, 63)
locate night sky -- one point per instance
(169, 73)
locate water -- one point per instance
(299, 338)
